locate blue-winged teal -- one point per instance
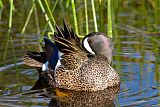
(81, 68)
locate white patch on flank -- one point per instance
(59, 58)
(45, 66)
(87, 46)
(58, 64)
(59, 55)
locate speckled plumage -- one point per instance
(78, 70)
(92, 75)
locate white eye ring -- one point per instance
(87, 46)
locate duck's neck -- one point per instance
(107, 53)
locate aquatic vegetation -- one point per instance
(133, 24)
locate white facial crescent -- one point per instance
(87, 46)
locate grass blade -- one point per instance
(67, 3)
(49, 12)
(110, 33)
(54, 6)
(94, 16)
(86, 16)
(28, 17)
(46, 16)
(75, 17)
(9, 31)
(1, 8)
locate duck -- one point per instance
(74, 64)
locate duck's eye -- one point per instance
(89, 41)
(90, 55)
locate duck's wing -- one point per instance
(51, 53)
(37, 59)
(68, 43)
(34, 59)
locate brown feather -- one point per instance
(31, 62)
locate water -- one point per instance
(140, 72)
(136, 55)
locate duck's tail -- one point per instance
(43, 61)
(37, 59)
(34, 59)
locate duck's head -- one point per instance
(98, 43)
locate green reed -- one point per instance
(48, 15)
(9, 36)
(67, 3)
(156, 9)
(44, 6)
(49, 12)
(110, 25)
(37, 20)
(156, 49)
(10, 26)
(1, 8)
(28, 17)
(94, 16)
(74, 17)
(46, 25)
(86, 16)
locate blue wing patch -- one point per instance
(51, 52)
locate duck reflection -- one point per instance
(68, 98)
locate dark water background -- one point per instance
(136, 54)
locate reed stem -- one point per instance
(110, 31)
(10, 14)
(36, 20)
(94, 16)
(1, 8)
(75, 17)
(9, 31)
(49, 12)
(46, 15)
(86, 16)
(67, 3)
(28, 17)
(54, 6)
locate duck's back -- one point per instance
(78, 71)
(93, 74)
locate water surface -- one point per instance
(136, 54)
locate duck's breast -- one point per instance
(94, 74)
(99, 74)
